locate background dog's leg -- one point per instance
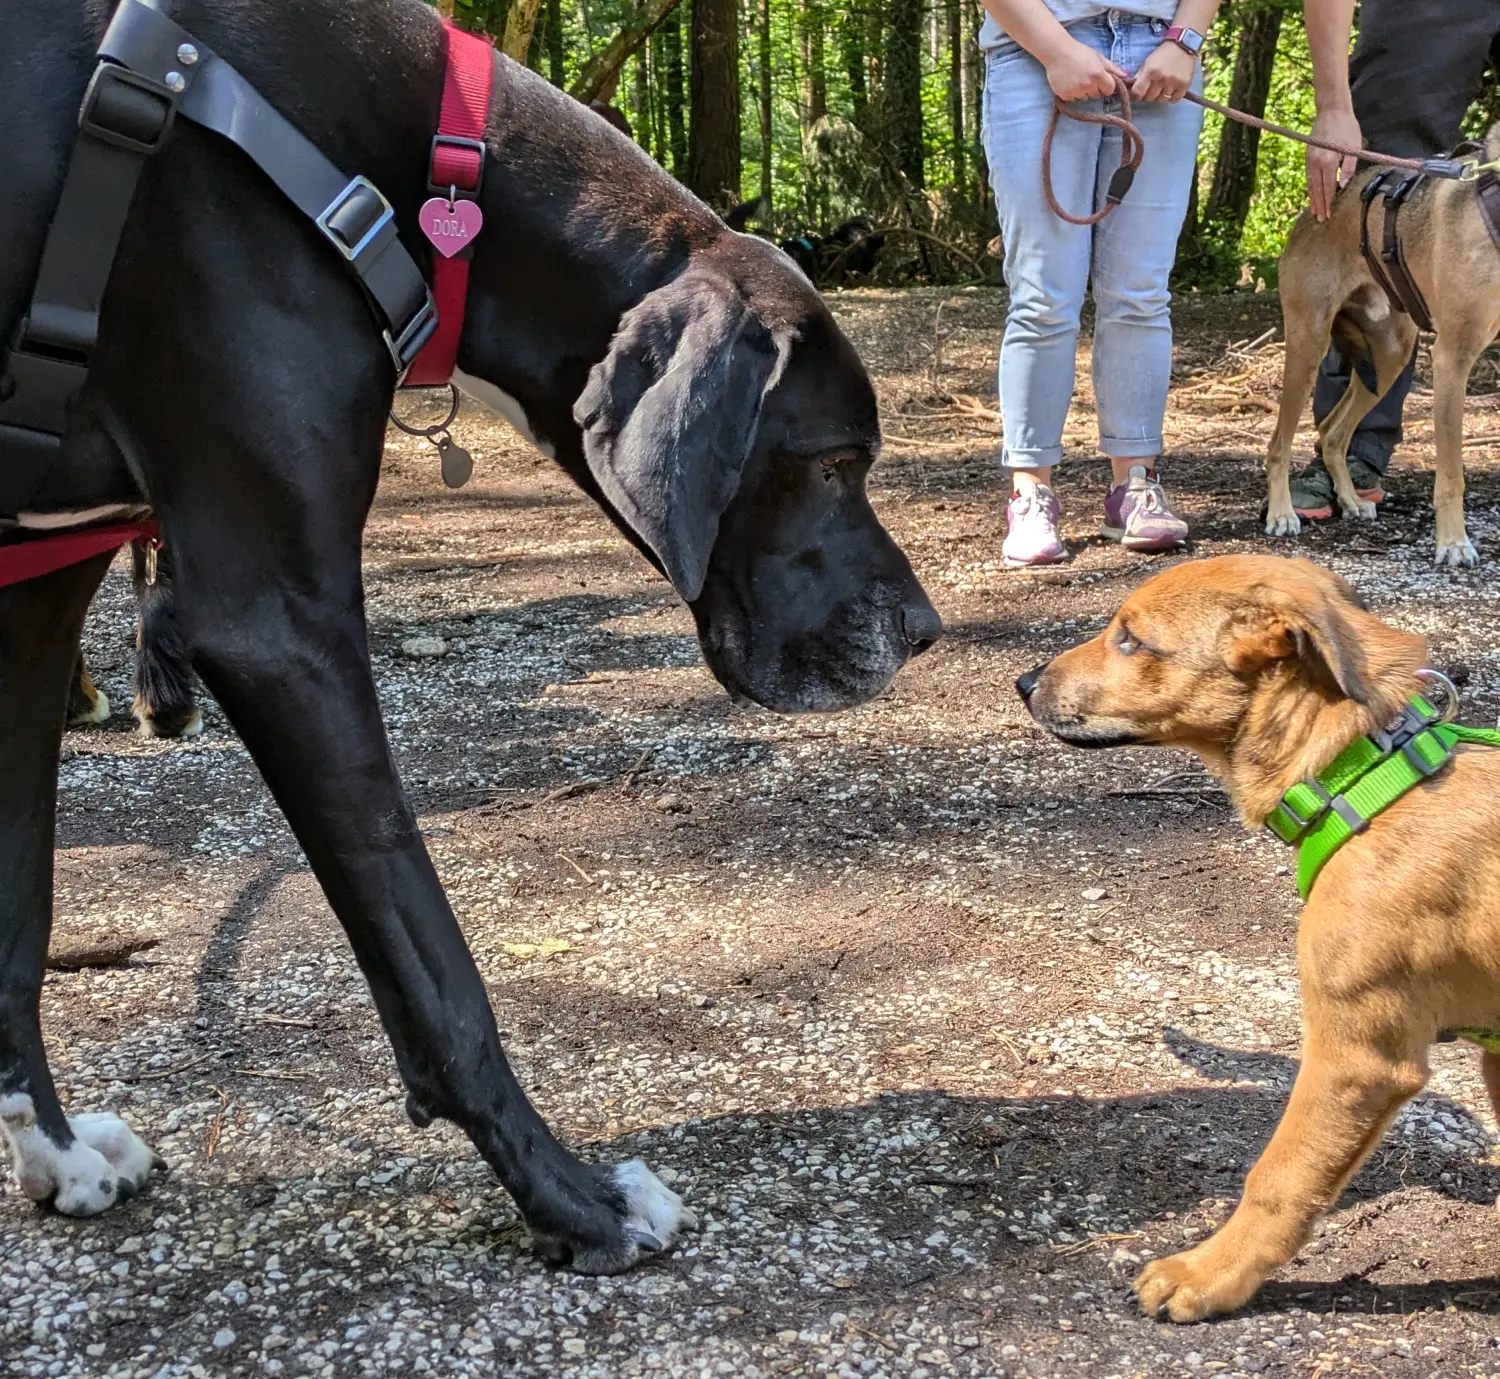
(164, 704)
(87, 703)
(1306, 343)
(284, 652)
(1389, 339)
(1453, 355)
(1344, 1098)
(82, 1164)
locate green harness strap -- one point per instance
(1319, 816)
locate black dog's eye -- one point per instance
(834, 460)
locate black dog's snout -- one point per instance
(1027, 683)
(920, 625)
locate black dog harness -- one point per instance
(1388, 265)
(150, 72)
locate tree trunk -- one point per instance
(814, 105)
(602, 71)
(956, 95)
(853, 54)
(519, 22)
(714, 103)
(671, 37)
(900, 122)
(1234, 170)
(643, 124)
(556, 73)
(763, 33)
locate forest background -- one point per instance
(823, 110)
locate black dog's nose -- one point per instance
(1027, 683)
(920, 625)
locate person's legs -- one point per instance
(1133, 254)
(1046, 271)
(1416, 67)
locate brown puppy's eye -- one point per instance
(1127, 645)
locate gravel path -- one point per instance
(938, 1026)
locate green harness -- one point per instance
(1319, 816)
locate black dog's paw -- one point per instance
(635, 1217)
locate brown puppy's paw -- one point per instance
(1187, 1288)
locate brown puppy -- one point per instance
(1267, 668)
(1328, 290)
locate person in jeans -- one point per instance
(1036, 50)
(1417, 67)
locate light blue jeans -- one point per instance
(1048, 263)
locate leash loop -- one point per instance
(1132, 150)
(429, 433)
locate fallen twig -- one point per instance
(1079, 1246)
(112, 955)
(640, 765)
(172, 1072)
(587, 879)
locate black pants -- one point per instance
(1416, 68)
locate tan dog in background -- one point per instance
(1327, 291)
(1267, 668)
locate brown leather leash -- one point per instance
(1133, 148)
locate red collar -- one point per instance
(456, 171)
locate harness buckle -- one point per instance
(118, 108)
(1419, 763)
(442, 186)
(346, 224)
(1324, 805)
(413, 338)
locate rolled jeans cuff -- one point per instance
(1040, 457)
(1118, 448)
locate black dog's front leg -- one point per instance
(291, 669)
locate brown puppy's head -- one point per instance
(1258, 663)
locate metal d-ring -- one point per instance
(1448, 710)
(430, 433)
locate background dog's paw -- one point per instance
(1458, 553)
(1283, 524)
(640, 1217)
(1360, 510)
(106, 1163)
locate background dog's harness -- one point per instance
(1388, 264)
(1320, 815)
(150, 71)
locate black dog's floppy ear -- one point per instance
(670, 414)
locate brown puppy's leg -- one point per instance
(1306, 343)
(1453, 355)
(1345, 1097)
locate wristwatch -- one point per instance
(1189, 40)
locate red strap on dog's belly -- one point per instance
(42, 555)
(466, 108)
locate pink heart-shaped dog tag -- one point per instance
(452, 227)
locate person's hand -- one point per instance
(1165, 75)
(1324, 169)
(1076, 72)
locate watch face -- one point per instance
(1192, 40)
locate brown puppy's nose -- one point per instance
(1027, 683)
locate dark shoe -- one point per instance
(1312, 489)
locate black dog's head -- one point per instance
(731, 426)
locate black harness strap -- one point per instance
(151, 70)
(1394, 255)
(1373, 188)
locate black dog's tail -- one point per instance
(165, 705)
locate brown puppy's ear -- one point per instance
(1332, 638)
(1319, 640)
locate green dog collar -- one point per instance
(1319, 816)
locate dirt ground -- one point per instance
(942, 1028)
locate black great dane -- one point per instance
(687, 377)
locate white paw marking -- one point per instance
(147, 725)
(106, 1161)
(99, 713)
(1461, 553)
(502, 402)
(1362, 510)
(1288, 525)
(653, 1207)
